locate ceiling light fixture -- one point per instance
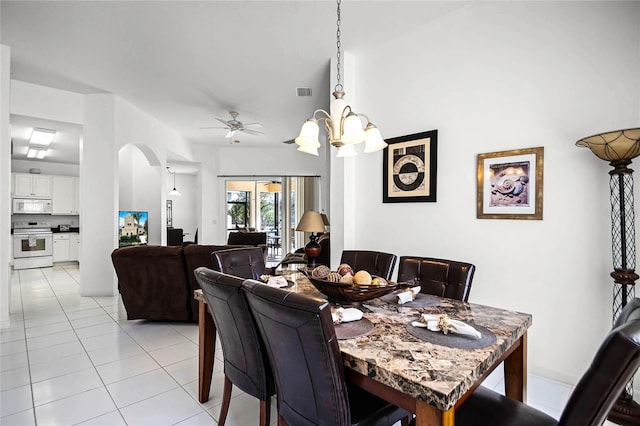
(36, 153)
(174, 191)
(42, 137)
(343, 125)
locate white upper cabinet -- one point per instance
(65, 195)
(31, 185)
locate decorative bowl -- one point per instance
(349, 293)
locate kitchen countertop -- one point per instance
(57, 230)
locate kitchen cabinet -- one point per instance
(65, 195)
(31, 185)
(66, 247)
(61, 247)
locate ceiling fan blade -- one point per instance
(218, 127)
(252, 124)
(290, 141)
(252, 132)
(222, 121)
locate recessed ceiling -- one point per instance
(65, 147)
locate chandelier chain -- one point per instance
(338, 45)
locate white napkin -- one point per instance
(277, 281)
(408, 295)
(346, 315)
(432, 322)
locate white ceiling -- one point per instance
(186, 62)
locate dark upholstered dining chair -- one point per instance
(374, 262)
(589, 404)
(245, 362)
(301, 343)
(242, 262)
(440, 277)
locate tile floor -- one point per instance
(67, 360)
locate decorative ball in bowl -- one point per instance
(349, 287)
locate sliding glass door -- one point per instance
(272, 205)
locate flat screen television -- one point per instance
(133, 228)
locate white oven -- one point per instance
(32, 245)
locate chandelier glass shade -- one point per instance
(343, 125)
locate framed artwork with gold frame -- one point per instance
(409, 168)
(510, 184)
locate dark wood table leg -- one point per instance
(206, 350)
(515, 372)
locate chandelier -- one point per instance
(343, 125)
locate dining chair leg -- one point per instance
(281, 421)
(265, 412)
(226, 398)
(407, 420)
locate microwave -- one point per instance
(31, 206)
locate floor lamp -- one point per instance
(619, 148)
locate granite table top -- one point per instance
(433, 373)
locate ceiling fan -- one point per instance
(234, 125)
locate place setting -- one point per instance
(440, 329)
(350, 323)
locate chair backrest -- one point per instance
(441, 277)
(303, 350)
(242, 262)
(613, 366)
(247, 238)
(245, 360)
(374, 262)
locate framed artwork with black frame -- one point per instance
(510, 184)
(409, 168)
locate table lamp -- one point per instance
(619, 147)
(312, 222)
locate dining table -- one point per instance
(427, 373)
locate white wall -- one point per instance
(5, 183)
(185, 206)
(497, 76)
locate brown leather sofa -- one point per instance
(157, 282)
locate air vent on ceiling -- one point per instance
(303, 91)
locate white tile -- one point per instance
(51, 353)
(164, 409)
(98, 330)
(547, 393)
(175, 353)
(11, 336)
(64, 386)
(45, 320)
(92, 321)
(23, 418)
(162, 340)
(140, 387)
(106, 341)
(15, 378)
(13, 347)
(59, 367)
(202, 419)
(127, 367)
(45, 330)
(215, 391)
(15, 400)
(123, 350)
(51, 340)
(86, 313)
(244, 410)
(185, 371)
(17, 360)
(112, 418)
(75, 409)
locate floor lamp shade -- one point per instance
(312, 222)
(619, 147)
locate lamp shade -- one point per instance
(309, 134)
(313, 150)
(353, 131)
(347, 150)
(615, 145)
(311, 221)
(374, 141)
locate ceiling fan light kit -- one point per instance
(343, 125)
